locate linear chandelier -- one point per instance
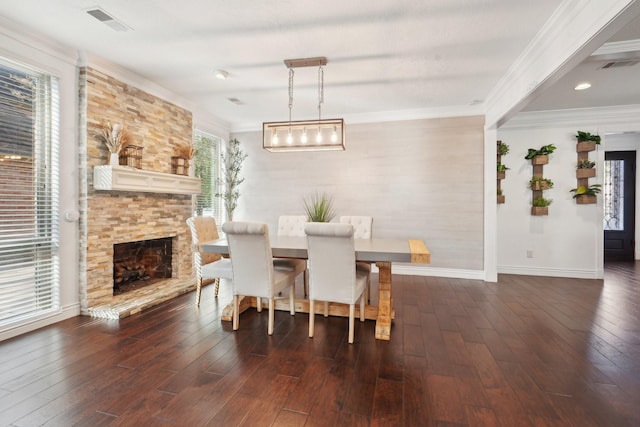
(305, 135)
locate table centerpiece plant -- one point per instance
(319, 208)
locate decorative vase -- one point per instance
(114, 159)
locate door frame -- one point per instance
(629, 209)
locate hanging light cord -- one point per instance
(320, 91)
(290, 93)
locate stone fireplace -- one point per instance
(141, 263)
(115, 216)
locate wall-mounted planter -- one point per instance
(539, 210)
(502, 175)
(583, 146)
(586, 143)
(540, 160)
(585, 173)
(586, 200)
(501, 199)
(540, 186)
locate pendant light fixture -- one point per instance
(305, 135)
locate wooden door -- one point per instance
(619, 205)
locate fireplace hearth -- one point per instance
(141, 263)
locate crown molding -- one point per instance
(199, 115)
(390, 116)
(31, 47)
(619, 118)
(618, 47)
(576, 29)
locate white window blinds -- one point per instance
(29, 276)
(207, 168)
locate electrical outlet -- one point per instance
(529, 253)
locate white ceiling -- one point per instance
(384, 55)
(617, 85)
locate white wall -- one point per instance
(568, 242)
(419, 179)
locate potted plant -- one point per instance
(319, 208)
(500, 196)
(586, 195)
(587, 141)
(232, 164)
(586, 169)
(180, 162)
(540, 206)
(539, 183)
(502, 170)
(540, 156)
(503, 148)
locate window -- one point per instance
(207, 168)
(613, 195)
(29, 238)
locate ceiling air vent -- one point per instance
(104, 17)
(617, 64)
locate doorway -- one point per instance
(619, 192)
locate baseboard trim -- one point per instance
(65, 312)
(552, 272)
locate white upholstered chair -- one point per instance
(208, 266)
(333, 276)
(362, 229)
(253, 268)
(293, 225)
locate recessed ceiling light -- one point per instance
(221, 74)
(582, 86)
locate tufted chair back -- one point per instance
(291, 225)
(251, 258)
(362, 226)
(332, 262)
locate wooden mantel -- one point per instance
(124, 178)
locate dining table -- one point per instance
(381, 252)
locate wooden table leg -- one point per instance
(385, 303)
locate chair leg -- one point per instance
(305, 284)
(352, 312)
(198, 290)
(292, 300)
(311, 317)
(217, 284)
(271, 314)
(236, 310)
(326, 309)
(362, 308)
(258, 304)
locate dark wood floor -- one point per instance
(527, 351)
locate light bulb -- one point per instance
(319, 137)
(289, 137)
(334, 135)
(304, 136)
(274, 140)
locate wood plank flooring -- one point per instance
(526, 351)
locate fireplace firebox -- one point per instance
(139, 264)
